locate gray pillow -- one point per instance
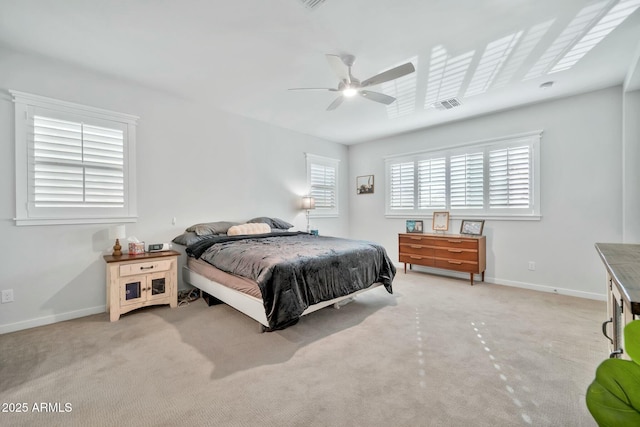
(273, 222)
(208, 228)
(188, 238)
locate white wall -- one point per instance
(581, 191)
(194, 163)
(631, 155)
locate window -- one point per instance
(74, 164)
(322, 179)
(490, 179)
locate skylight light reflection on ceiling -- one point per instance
(445, 75)
(611, 20)
(404, 90)
(524, 49)
(494, 56)
(584, 20)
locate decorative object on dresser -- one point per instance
(622, 262)
(451, 252)
(440, 221)
(116, 233)
(140, 280)
(414, 226)
(364, 184)
(472, 227)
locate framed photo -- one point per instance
(472, 226)
(364, 184)
(415, 226)
(440, 221)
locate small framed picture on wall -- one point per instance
(364, 184)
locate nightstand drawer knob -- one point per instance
(146, 268)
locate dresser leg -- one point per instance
(471, 278)
(483, 276)
(405, 268)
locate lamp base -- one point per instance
(117, 249)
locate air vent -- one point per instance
(447, 104)
(312, 4)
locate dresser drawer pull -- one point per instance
(415, 257)
(146, 268)
(456, 251)
(415, 238)
(454, 241)
(416, 246)
(454, 262)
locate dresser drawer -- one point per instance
(416, 249)
(144, 267)
(416, 239)
(468, 267)
(456, 254)
(418, 260)
(456, 243)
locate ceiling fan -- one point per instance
(350, 86)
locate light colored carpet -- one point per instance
(436, 353)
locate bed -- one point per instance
(278, 276)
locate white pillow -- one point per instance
(250, 228)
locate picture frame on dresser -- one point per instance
(440, 221)
(472, 227)
(415, 226)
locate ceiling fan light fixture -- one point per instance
(349, 92)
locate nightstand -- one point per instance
(140, 280)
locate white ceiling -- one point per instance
(242, 55)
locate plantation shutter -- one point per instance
(467, 181)
(432, 183)
(76, 165)
(509, 185)
(402, 185)
(323, 185)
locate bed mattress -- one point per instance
(238, 283)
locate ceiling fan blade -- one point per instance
(336, 103)
(314, 88)
(391, 74)
(339, 67)
(378, 97)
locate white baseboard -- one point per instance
(512, 283)
(47, 320)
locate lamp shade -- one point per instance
(308, 202)
(118, 232)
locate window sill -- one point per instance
(71, 221)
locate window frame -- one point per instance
(531, 139)
(27, 105)
(313, 159)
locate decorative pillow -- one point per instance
(188, 238)
(259, 228)
(207, 228)
(273, 222)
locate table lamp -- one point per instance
(308, 203)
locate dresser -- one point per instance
(135, 281)
(454, 252)
(622, 262)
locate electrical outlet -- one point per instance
(532, 265)
(7, 295)
(173, 221)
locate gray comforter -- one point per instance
(296, 270)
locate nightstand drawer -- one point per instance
(144, 267)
